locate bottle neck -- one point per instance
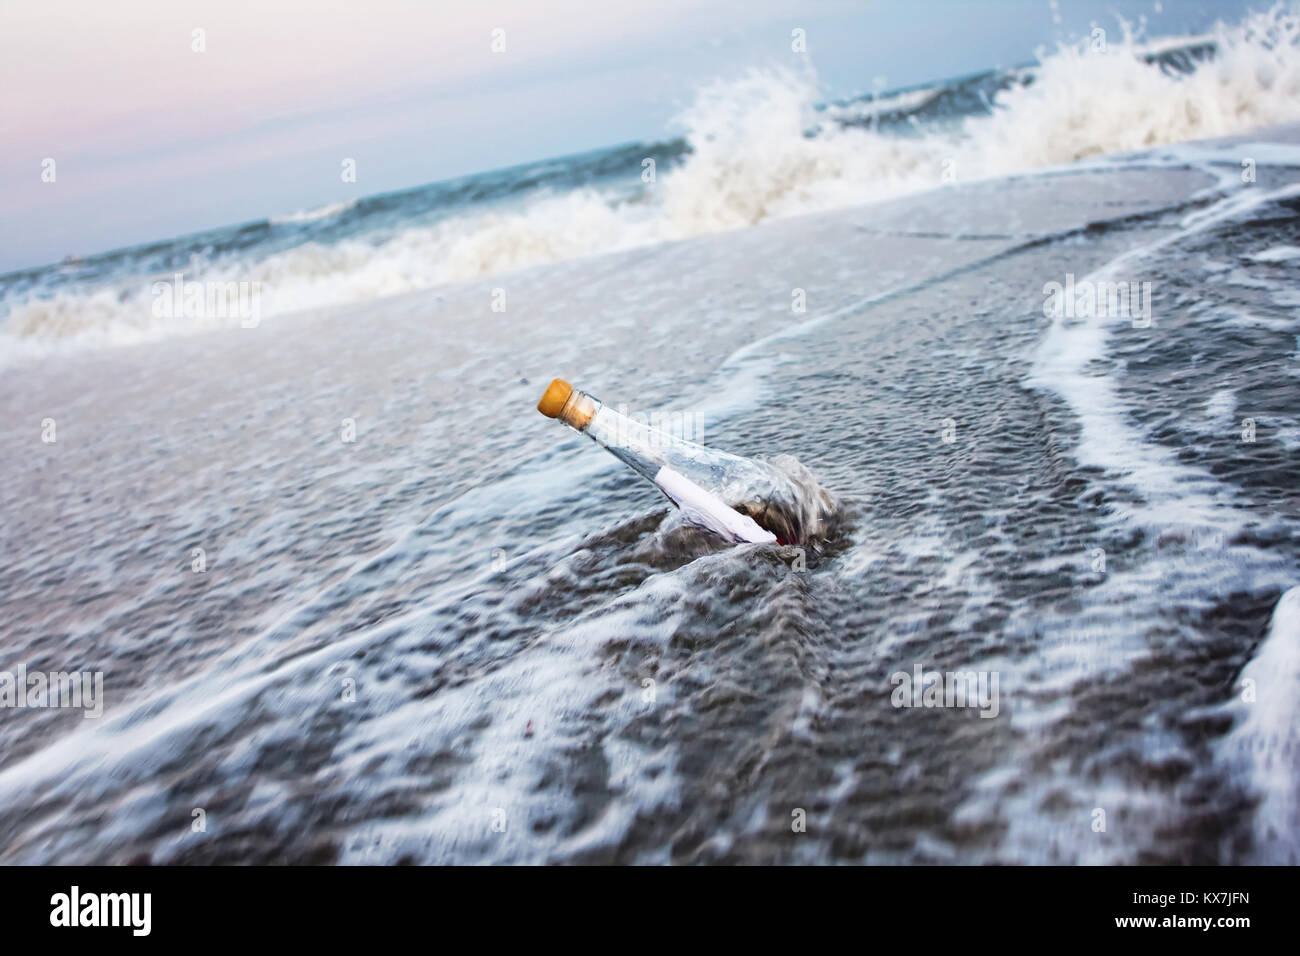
(642, 448)
(698, 479)
(579, 410)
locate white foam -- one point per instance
(287, 677)
(1168, 499)
(544, 687)
(905, 101)
(328, 211)
(1267, 736)
(1219, 411)
(1276, 254)
(1175, 494)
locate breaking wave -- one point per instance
(759, 147)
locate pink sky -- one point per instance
(153, 140)
(115, 94)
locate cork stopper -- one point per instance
(564, 402)
(557, 393)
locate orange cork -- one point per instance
(557, 393)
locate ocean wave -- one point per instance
(759, 149)
(328, 211)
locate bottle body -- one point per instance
(646, 450)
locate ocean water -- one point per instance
(756, 148)
(355, 601)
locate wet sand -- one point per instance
(472, 569)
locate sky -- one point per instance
(152, 138)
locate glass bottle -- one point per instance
(706, 484)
